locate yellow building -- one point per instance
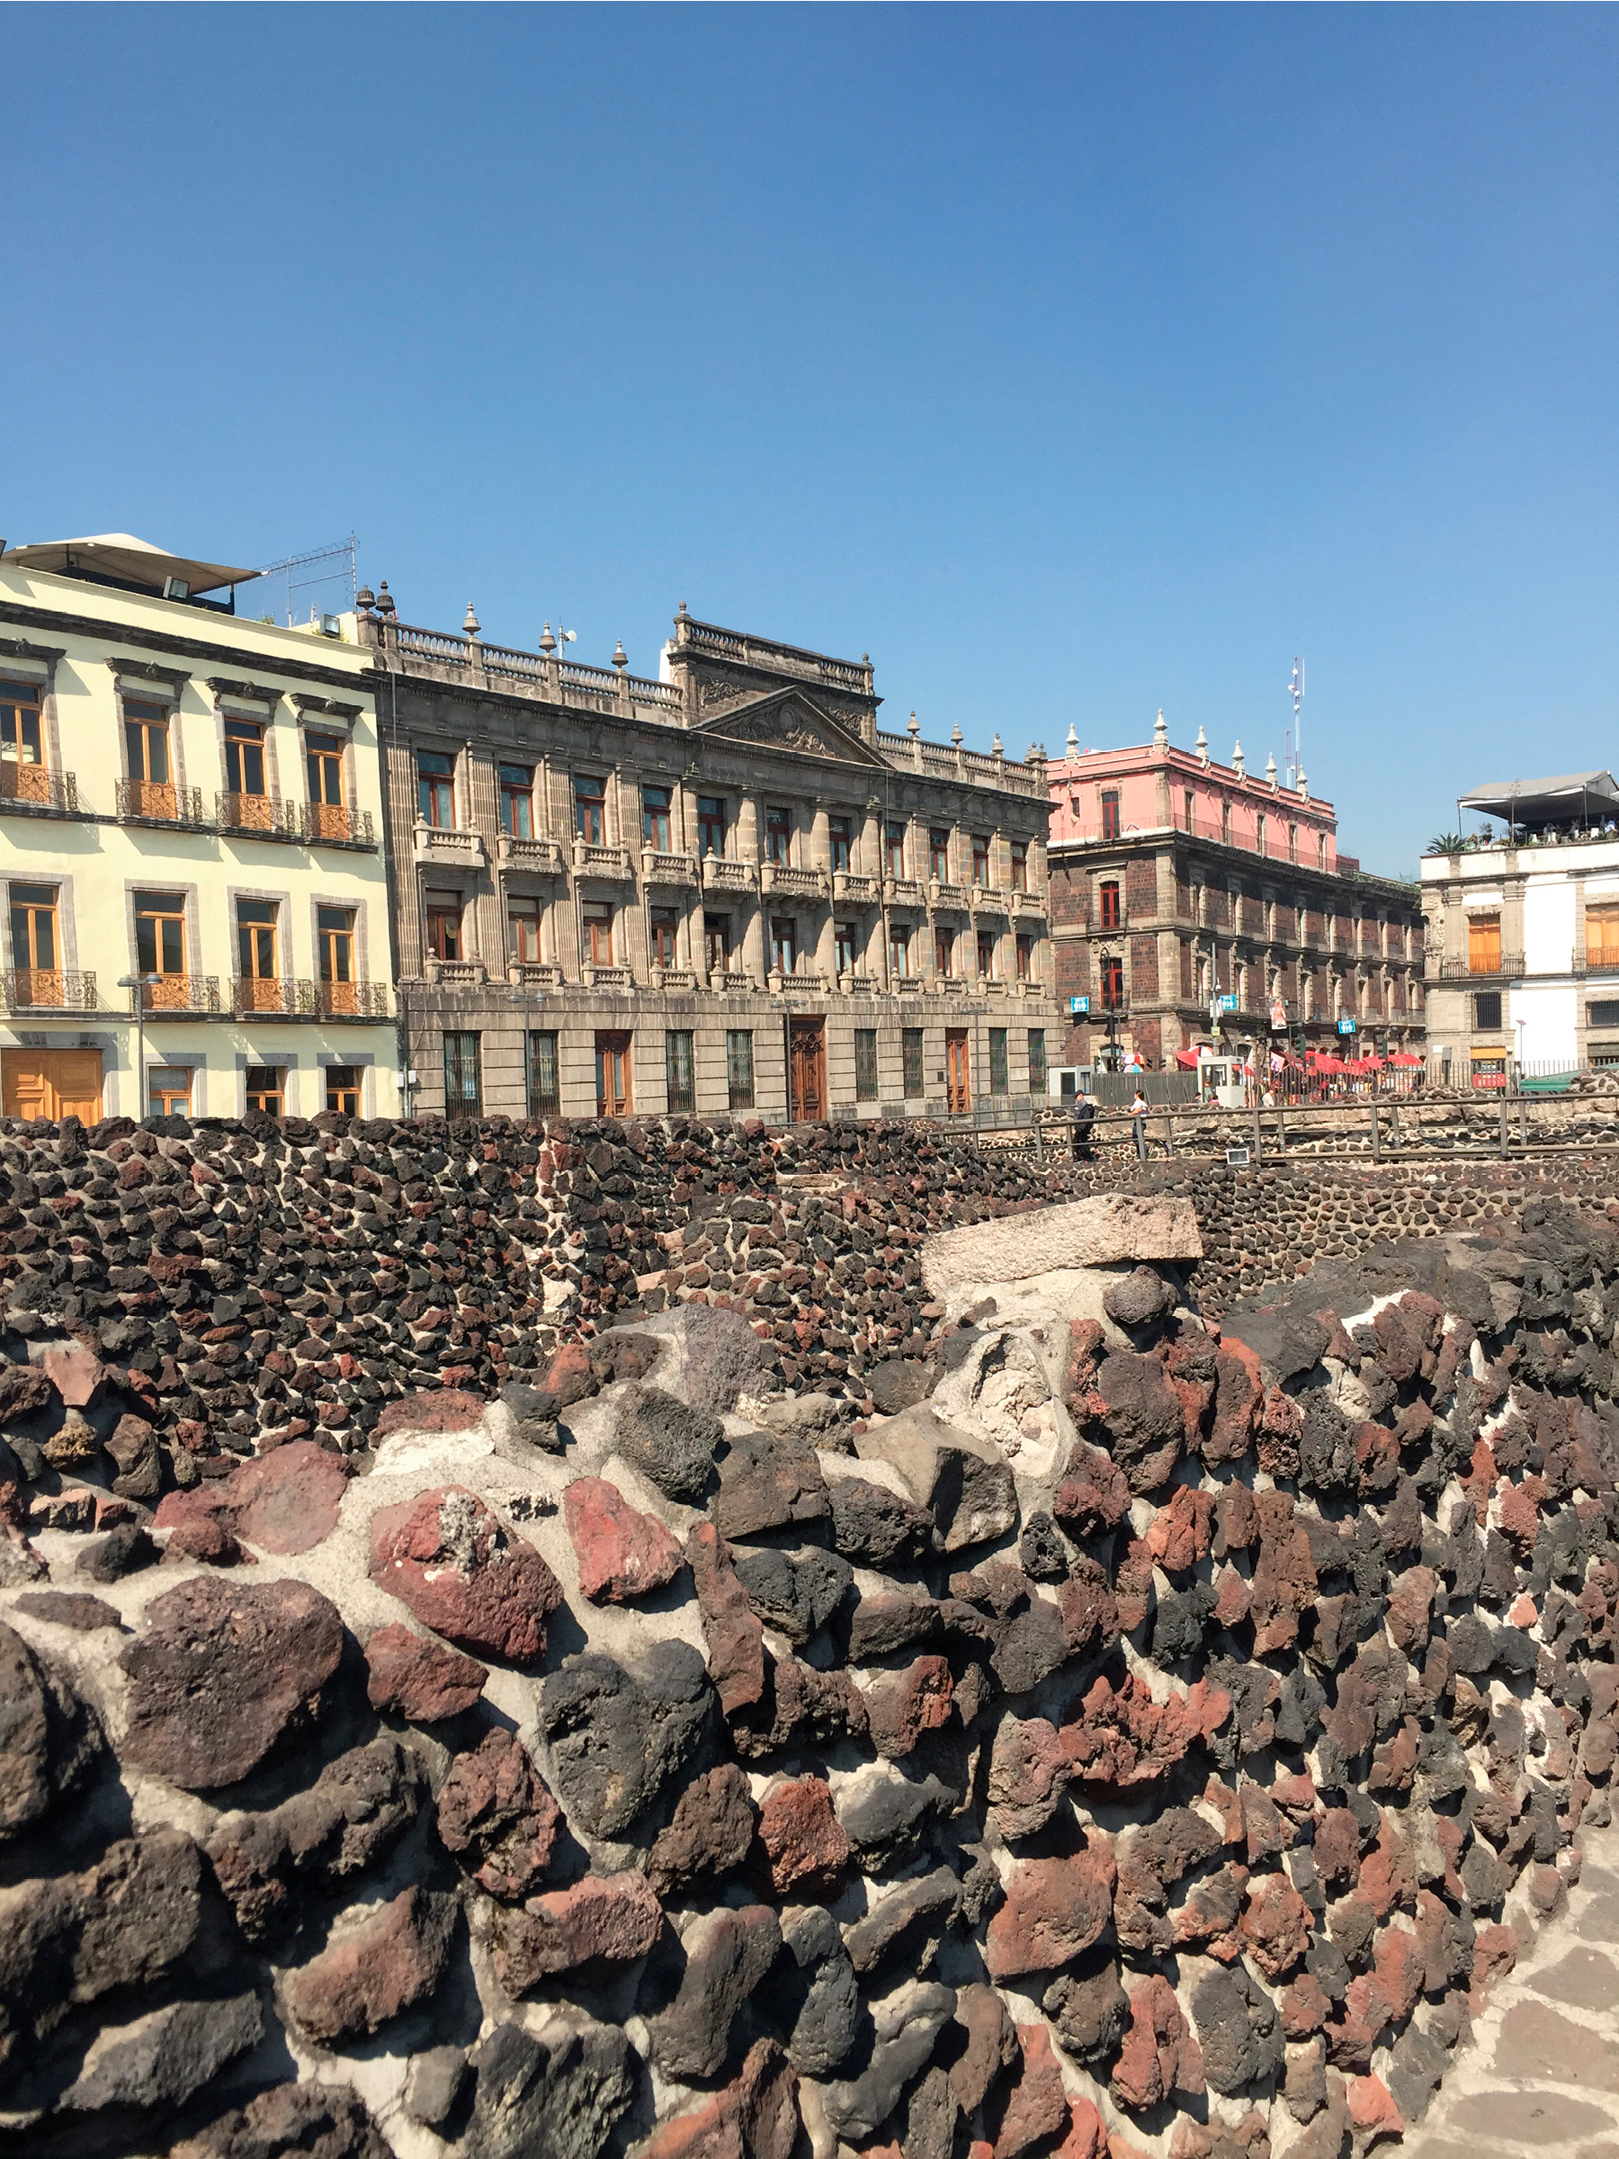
(190, 847)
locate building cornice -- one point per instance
(189, 648)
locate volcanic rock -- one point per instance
(607, 1918)
(446, 1557)
(496, 1815)
(622, 1553)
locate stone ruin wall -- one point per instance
(1142, 1732)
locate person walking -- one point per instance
(1138, 1123)
(1084, 1116)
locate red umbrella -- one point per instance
(1400, 1058)
(1330, 1065)
(1187, 1060)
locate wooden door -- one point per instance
(807, 1071)
(613, 1075)
(52, 1083)
(957, 1094)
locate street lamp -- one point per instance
(137, 983)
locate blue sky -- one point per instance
(1071, 361)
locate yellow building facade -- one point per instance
(195, 897)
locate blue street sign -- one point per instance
(1079, 1004)
(1228, 1003)
(1346, 1027)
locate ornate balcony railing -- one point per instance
(609, 978)
(856, 985)
(670, 869)
(1028, 903)
(723, 874)
(448, 847)
(261, 816)
(788, 881)
(540, 858)
(49, 989)
(352, 1000)
(159, 802)
(37, 787)
(729, 980)
(181, 993)
(257, 997)
(593, 860)
(987, 900)
(673, 978)
(902, 891)
(943, 894)
(334, 824)
(906, 985)
(1505, 966)
(535, 974)
(856, 891)
(950, 985)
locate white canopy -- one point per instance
(132, 562)
(1533, 802)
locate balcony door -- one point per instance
(957, 1088)
(51, 1083)
(807, 1071)
(613, 1075)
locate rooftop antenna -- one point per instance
(1295, 749)
(326, 566)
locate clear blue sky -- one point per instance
(1071, 361)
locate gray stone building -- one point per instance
(723, 891)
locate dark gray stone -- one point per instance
(1089, 2011)
(160, 2059)
(668, 1442)
(1237, 2030)
(823, 1996)
(794, 1592)
(875, 1527)
(552, 2098)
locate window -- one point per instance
(783, 944)
(33, 943)
(865, 1064)
(1037, 1060)
(840, 840)
(1112, 973)
(899, 952)
(655, 819)
(146, 737)
(1602, 936)
(944, 952)
(169, 1091)
(435, 787)
(323, 759)
(1025, 959)
(939, 853)
(739, 1067)
(334, 945)
(1321, 851)
(544, 1077)
(1109, 897)
(894, 847)
(665, 932)
(22, 743)
(1225, 823)
(711, 824)
(980, 858)
(778, 835)
(523, 930)
(517, 801)
(1292, 843)
(267, 1090)
(1020, 865)
(986, 954)
(1259, 832)
(844, 947)
(1603, 1012)
(678, 1070)
(1110, 813)
(343, 1085)
(244, 757)
(160, 938)
(1189, 810)
(598, 923)
(256, 940)
(444, 925)
(717, 944)
(1484, 944)
(911, 1063)
(999, 1079)
(463, 1075)
(590, 809)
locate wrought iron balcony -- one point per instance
(259, 816)
(181, 993)
(334, 824)
(352, 1000)
(1504, 966)
(261, 997)
(159, 802)
(49, 989)
(37, 787)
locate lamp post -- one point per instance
(138, 983)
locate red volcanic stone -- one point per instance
(1094, 1494)
(1053, 1909)
(757, 2115)
(1520, 1514)
(1132, 1584)
(1178, 1535)
(801, 1835)
(1371, 2107)
(1027, 1770)
(496, 1815)
(1305, 2006)
(1275, 1924)
(904, 1705)
(1089, 1609)
(1036, 2105)
(1159, 2054)
(1125, 1737)
(622, 1553)
(568, 1377)
(1284, 1581)
(446, 1557)
(419, 1679)
(1337, 1846)
(1087, 2136)
(285, 1501)
(445, 1409)
(731, 1628)
(1409, 1607)
(1236, 1521)
(363, 1978)
(1495, 1951)
(1388, 1874)
(613, 1918)
(77, 1373)
(1238, 1393)
(222, 1672)
(1398, 1965)
(1232, 1598)
(1377, 1458)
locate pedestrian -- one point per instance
(1138, 1123)
(1084, 1116)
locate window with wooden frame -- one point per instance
(266, 1090)
(323, 770)
(939, 853)
(1025, 959)
(739, 1067)
(22, 744)
(1110, 913)
(1111, 974)
(334, 953)
(664, 929)
(711, 825)
(160, 947)
(523, 929)
(911, 1064)
(1110, 813)
(986, 955)
(1602, 934)
(1259, 832)
(544, 1073)
(1292, 843)
(435, 790)
(784, 944)
(244, 757)
(944, 952)
(899, 951)
(590, 808)
(259, 989)
(613, 1098)
(779, 835)
(999, 1068)
(1321, 850)
(34, 948)
(717, 944)
(1020, 865)
(1037, 1060)
(843, 947)
(1484, 944)
(1189, 810)
(168, 1091)
(894, 847)
(840, 842)
(980, 858)
(679, 1070)
(517, 801)
(343, 1089)
(146, 746)
(598, 924)
(444, 925)
(865, 1064)
(655, 802)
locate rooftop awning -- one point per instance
(1531, 802)
(132, 562)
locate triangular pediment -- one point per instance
(787, 719)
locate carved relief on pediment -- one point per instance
(791, 723)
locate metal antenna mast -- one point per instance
(1295, 761)
(341, 554)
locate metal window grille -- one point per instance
(865, 1064)
(463, 1076)
(739, 1066)
(679, 1069)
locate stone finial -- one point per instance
(1202, 746)
(680, 613)
(1304, 784)
(385, 600)
(1072, 744)
(913, 725)
(1237, 764)
(620, 657)
(471, 626)
(997, 747)
(548, 643)
(1160, 733)
(955, 734)
(1270, 770)
(365, 599)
